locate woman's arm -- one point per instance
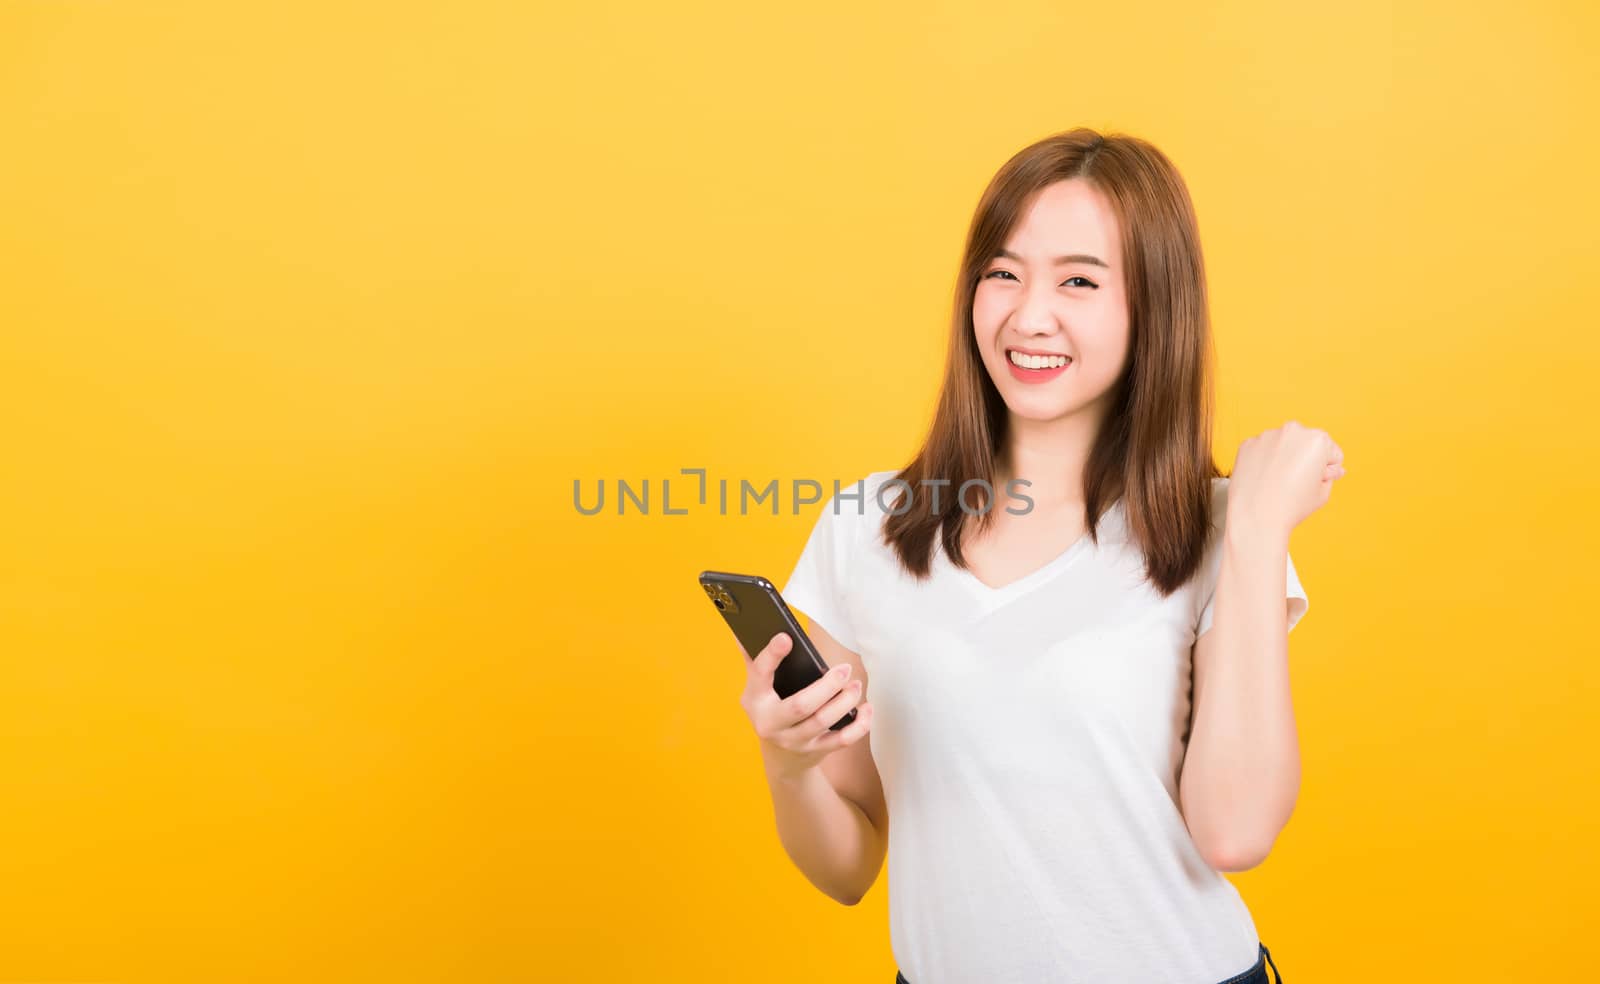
(1241, 773)
(832, 818)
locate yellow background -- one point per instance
(312, 313)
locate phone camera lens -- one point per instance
(720, 606)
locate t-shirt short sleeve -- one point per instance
(818, 586)
(1294, 595)
(1294, 592)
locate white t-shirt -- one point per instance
(1029, 739)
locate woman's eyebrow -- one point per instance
(1070, 258)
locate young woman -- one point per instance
(1073, 628)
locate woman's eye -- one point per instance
(1086, 281)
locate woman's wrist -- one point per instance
(782, 768)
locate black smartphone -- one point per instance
(756, 612)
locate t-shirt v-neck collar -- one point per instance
(992, 598)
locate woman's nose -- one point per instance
(1038, 316)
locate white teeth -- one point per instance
(1038, 361)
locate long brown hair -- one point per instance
(1153, 450)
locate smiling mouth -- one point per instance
(1036, 362)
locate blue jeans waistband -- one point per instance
(1255, 975)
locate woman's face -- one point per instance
(1032, 307)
